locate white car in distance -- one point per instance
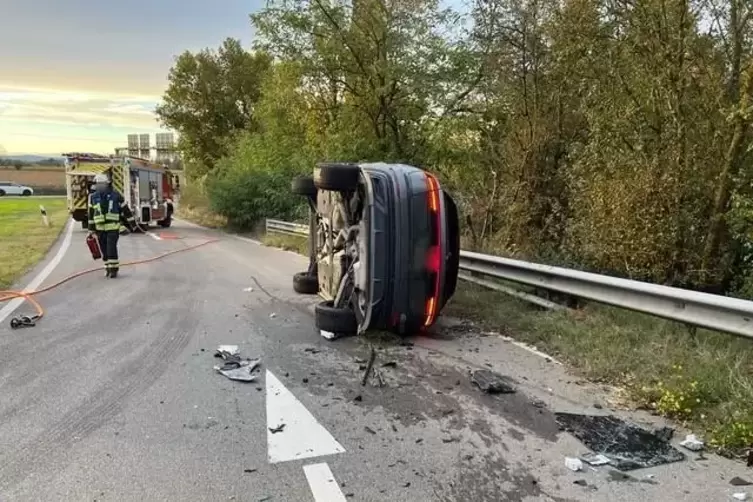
(10, 188)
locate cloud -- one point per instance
(90, 109)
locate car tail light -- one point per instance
(433, 255)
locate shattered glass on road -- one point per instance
(626, 445)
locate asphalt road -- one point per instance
(113, 396)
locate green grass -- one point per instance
(24, 239)
(700, 378)
(194, 206)
(287, 242)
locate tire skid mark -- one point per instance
(107, 402)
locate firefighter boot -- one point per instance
(113, 273)
(107, 273)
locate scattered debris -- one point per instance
(406, 485)
(594, 459)
(234, 367)
(226, 351)
(312, 350)
(327, 334)
(626, 445)
(390, 364)
(492, 383)
(573, 464)
(249, 471)
(370, 365)
(248, 290)
(581, 482)
(419, 440)
(272, 315)
(740, 496)
(692, 443)
(598, 406)
(738, 481)
(665, 433)
(369, 430)
(358, 398)
(450, 440)
(750, 458)
(275, 430)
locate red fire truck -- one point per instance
(147, 187)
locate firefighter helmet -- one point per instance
(101, 178)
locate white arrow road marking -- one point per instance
(302, 436)
(42, 275)
(322, 483)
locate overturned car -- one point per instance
(384, 247)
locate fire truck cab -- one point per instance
(145, 186)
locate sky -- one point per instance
(80, 75)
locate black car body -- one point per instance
(385, 248)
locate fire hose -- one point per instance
(28, 321)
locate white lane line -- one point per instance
(154, 236)
(302, 436)
(42, 275)
(322, 483)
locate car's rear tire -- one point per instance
(337, 177)
(2, 192)
(26, 193)
(305, 284)
(335, 320)
(304, 185)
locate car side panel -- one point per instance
(380, 225)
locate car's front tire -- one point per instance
(337, 177)
(335, 320)
(305, 284)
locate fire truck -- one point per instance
(146, 187)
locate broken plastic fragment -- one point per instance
(491, 382)
(740, 496)
(595, 459)
(228, 350)
(573, 464)
(328, 335)
(242, 373)
(248, 290)
(692, 443)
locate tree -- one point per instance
(210, 97)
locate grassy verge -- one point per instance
(194, 206)
(287, 242)
(700, 378)
(24, 240)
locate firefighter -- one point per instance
(106, 207)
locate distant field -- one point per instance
(24, 240)
(43, 177)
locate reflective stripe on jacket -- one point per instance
(105, 210)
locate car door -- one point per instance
(13, 189)
(5, 187)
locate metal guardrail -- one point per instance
(721, 313)
(286, 227)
